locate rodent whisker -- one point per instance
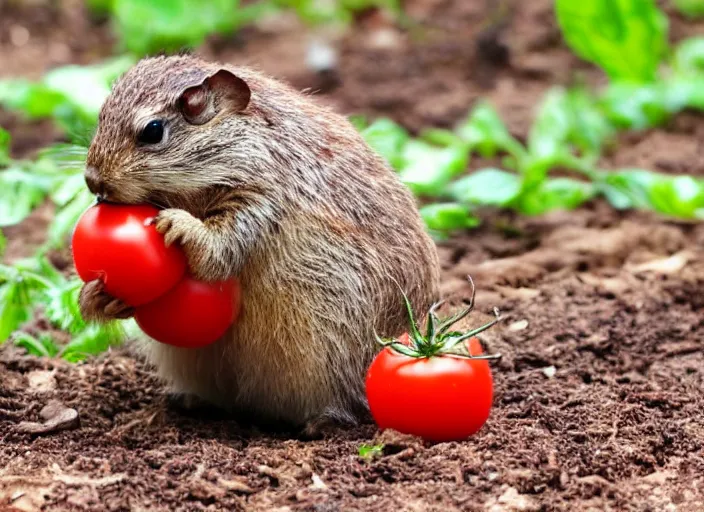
(156, 204)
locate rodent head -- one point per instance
(169, 126)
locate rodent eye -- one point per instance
(152, 133)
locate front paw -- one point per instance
(177, 226)
(97, 305)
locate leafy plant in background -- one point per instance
(58, 175)
(176, 24)
(173, 25)
(339, 12)
(571, 129)
(626, 38)
(690, 8)
(33, 285)
(568, 134)
(70, 95)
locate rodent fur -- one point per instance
(267, 186)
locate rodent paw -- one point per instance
(97, 305)
(176, 225)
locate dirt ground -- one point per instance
(598, 402)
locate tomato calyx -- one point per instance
(439, 339)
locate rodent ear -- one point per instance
(195, 106)
(232, 89)
(220, 91)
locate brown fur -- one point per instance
(286, 196)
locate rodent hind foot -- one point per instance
(330, 420)
(187, 404)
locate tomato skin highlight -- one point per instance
(115, 243)
(193, 314)
(441, 398)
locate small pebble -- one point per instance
(549, 371)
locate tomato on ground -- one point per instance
(117, 244)
(439, 398)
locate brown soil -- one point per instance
(598, 395)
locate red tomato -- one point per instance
(115, 243)
(193, 314)
(441, 398)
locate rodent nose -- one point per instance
(95, 184)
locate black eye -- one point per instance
(152, 133)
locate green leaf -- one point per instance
(637, 106)
(66, 188)
(72, 95)
(568, 123)
(448, 217)
(691, 8)
(547, 136)
(626, 38)
(313, 12)
(428, 169)
(440, 137)
(86, 87)
(34, 100)
(689, 88)
(358, 121)
(101, 7)
(588, 129)
(66, 218)
(177, 24)
(44, 346)
(492, 187)
(689, 54)
(93, 340)
(4, 147)
(370, 451)
(40, 266)
(678, 196)
(62, 307)
(628, 188)
(22, 191)
(556, 194)
(486, 133)
(388, 139)
(15, 307)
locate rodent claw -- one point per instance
(96, 304)
(118, 309)
(173, 230)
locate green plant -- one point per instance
(33, 285)
(175, 25)
(690, 8)
(368, 452)
(569, 133)
(317, 12)
(648, 86)
(57, 174)
(70, 95)
(626, 38)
